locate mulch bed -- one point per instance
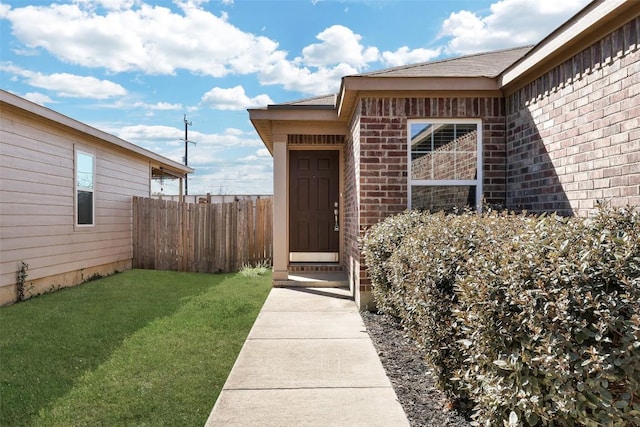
(411, 379)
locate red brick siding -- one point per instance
(350, 202)
(378, 147)
(383, 133)
(573, 134)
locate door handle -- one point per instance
(336, 226)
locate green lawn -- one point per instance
(138, 348)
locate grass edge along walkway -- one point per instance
(138, 348)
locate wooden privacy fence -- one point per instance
(201, 237)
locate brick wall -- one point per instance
(383, 139)
(378, 145)
(350, 202)
(573, 135)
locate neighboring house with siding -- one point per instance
(66, 193)
(550, 127)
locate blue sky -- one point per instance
(134, 68)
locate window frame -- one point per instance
(447, 182)
(77, 154)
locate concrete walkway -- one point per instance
(308, 361)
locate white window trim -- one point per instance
(75, 188)
(448, 182)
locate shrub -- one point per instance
(421, 273)
(379, 244)
(551, 323)
(494, 297)
(536, 319)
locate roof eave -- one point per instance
(155, 159)
(307, 112)
(290, 107)
(353, 86)
(263, 118)
(263, 127)
(440, 83)
(576, 34)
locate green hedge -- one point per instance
(535, 319)
(381, 242)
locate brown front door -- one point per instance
(314, 234)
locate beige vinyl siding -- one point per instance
(37, 193)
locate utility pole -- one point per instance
(186, 152)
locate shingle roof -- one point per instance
(317, 100)
(487, 64)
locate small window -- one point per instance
(85, 182)
(445, 164)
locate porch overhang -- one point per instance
(353, 88)
(165, 171)
(265, 120)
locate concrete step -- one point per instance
(327, 279)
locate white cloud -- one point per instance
(320, 81)
(319, 70)
(138, 133)
(224, 163)
(233, 99)
(72, 86)
(404, 55)
(234, 131)
(158, 106)
(339, 45)
(130, 35)
(153, 136)
(241, 176)
(167, 141)
(4, 10)
(263, 152)
(38, 98)
(107, 4)
(231, 137)
(68, 85)
(151, 39)
(510, 23)
(232, 162)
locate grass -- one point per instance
(260, 269)
(138, 348)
